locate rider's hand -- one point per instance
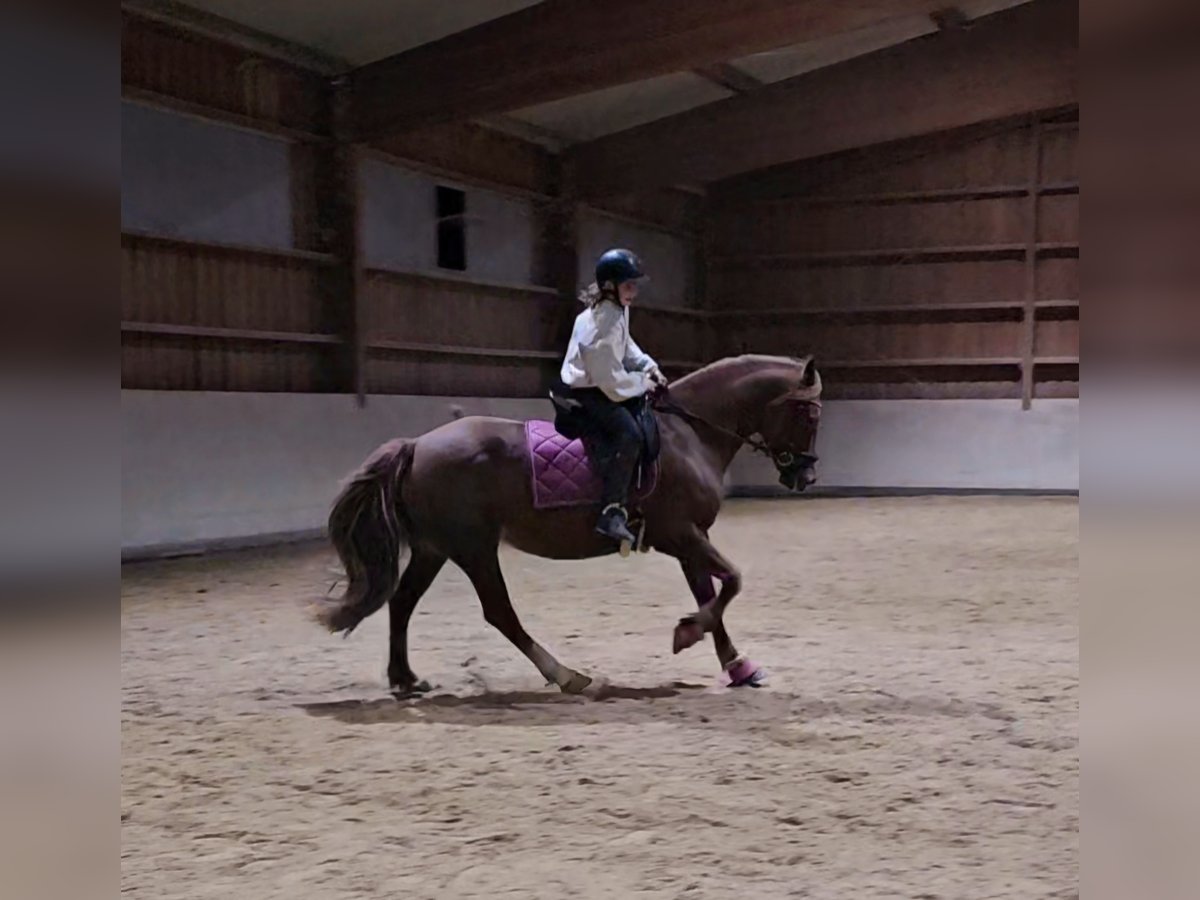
(658, 377)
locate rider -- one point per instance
(609, 375)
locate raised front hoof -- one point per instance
(408, 689)
(687, 634)
(577, 683)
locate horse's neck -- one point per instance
(733, 399)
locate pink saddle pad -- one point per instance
(562, 473)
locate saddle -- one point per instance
(571, 422)
(560, 455)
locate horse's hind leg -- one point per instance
(422, 569)
(488, 580)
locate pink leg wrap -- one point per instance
(744, 671)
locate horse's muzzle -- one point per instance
(799, 475)
(797, 479)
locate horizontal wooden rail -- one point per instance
(640, 222)
(942, 361)
(420, 349)
(162, 329)
(882, 255)
(868, 311)
(922, 363)
(678, 312)
(932, 195)
(187, 243)
(219, 116)
(458, 278)
(895, 255)
(1058, 248)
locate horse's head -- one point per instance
(789, 428)
(772, 403)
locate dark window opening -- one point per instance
(451, 229)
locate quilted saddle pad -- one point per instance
(563, 474)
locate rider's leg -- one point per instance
(622, 440)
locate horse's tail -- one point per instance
(370, 530)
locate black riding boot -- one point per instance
(614, 524)
(618, 475)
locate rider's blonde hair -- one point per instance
(593, 294)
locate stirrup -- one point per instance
(615, 507)
(626, 540)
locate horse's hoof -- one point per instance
(687, 633)
(626, 548)
(746, 673)
(415, 689)
(576, 684)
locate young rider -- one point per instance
(609, 375)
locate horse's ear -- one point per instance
(810, 373)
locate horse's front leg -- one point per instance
(701, 584)
(740, 670)
(702, 563)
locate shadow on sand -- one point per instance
(607, 702)
(737, 709)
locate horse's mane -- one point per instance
(735, 364)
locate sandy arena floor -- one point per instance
(918, 738)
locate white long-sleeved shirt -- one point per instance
(603, 355)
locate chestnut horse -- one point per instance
(457, 492)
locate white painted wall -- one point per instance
(181, 176)
(201, 467)
(987, 444)
(400, 225)
(208, 468)
(194, 179)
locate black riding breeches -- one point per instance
(615, 440)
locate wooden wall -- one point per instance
(939, 267)
(312, 315)
(213, 315)
(942, 267)
(172, 67)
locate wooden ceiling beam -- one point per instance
(553, 50)
(225, 31)
(1011, 63)
(729, 77)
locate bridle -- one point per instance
(784, 460)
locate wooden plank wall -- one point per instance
(177, 69)
(204, 315)
(942, 267)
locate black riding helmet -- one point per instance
(618, 266)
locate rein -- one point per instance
(784, 460)
(661, 401)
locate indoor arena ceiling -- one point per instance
(352, 34)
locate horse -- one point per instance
(457, 492)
